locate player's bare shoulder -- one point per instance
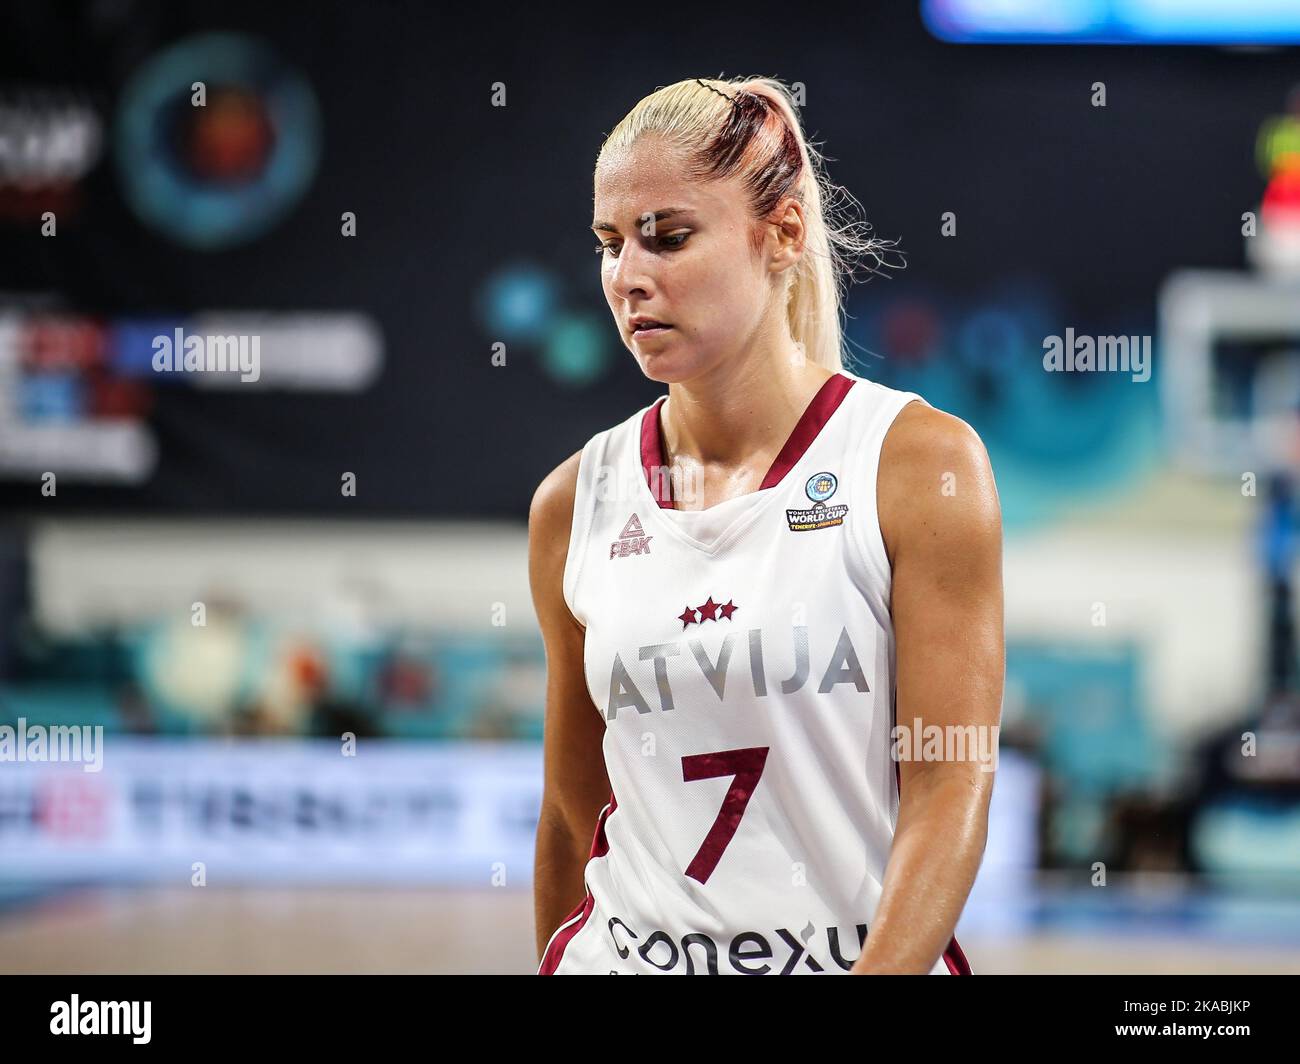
(923, 438)
(551, 511)
(934, 468)
(550, 521)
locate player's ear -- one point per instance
(786, 229)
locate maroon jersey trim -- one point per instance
(810, 423)
(555, 951)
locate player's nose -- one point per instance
(633, 274)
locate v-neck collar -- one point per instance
(806, 429)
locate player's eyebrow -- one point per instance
(659, 216)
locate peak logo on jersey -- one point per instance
(632, 540)
(662, 951)
(820, 487)
(708, 611)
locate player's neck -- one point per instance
(739, 411)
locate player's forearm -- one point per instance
(557, 878)
(938, 845)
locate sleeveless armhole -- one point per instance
(869, 538)
(583, 501)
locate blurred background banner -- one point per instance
(297, 309)
(276, 810)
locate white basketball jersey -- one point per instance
(742, 658)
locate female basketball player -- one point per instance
(744, 586)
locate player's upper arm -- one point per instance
(576, 785)
(550, 522)
(942, 527)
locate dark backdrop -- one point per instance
(1099, 203)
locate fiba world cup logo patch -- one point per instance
(820, 487)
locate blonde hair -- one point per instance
(749, 127)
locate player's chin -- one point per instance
(655, 371)
(666, 367)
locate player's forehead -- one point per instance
(648, 177)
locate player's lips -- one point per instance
(645, 327)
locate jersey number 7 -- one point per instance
(746, 766)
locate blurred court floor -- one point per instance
(368, 930)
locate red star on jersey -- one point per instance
(707, 612)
